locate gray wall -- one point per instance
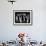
(37, 31)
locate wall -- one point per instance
(37, 31)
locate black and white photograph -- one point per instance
(22, 17)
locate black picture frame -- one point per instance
(22, 17)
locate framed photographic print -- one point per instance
(22, 17)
